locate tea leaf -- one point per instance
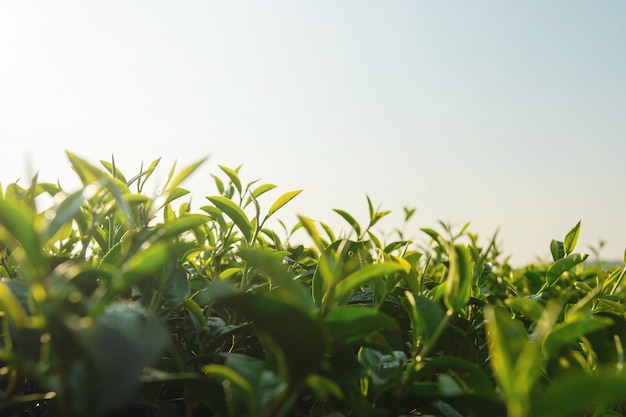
(10, 305)
(529, 308)
(347, 217)
(282, 200)
(182, 224)
(262, 189)
(64, 213)
(363, 276)
(426, 316)
(239, 382)
(460, 277)
(121, 343)
(279, 276)
(14, 217)
(235, 213)
(514, 359)
(349, 324)
(234, 178)
(565, 264)
(557, 249)
(570, 240)
(186, 172)
(309, 226)
(565, 333)
(300, 340)
(576, 394)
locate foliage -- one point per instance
(117, 303)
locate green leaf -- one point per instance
(347, 217)
(324, 387)
(460, 278)
(309, 226)
(363, 276)
(564, 333)
(112, 169)
(234, 177)
(565, 264)
(186, 172)
(216, 214)
(557, 249)
(64, 213)
(174, 194)
(515, 359)
(262, 189)
(434, 235)
(529, 308)
(571, 239)
(11, 306)
(278, 274)
(299, 340)
(349, 324)
(370, 208)
(576, 394)
(239, 382)
(176, 287)
(426, 316)
(182, 224)
(121, 343)
(87, 173)
(329, 232)
(17, 218)
(281, 201)
(235, 213)
(470, 377)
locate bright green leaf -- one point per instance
(348, 217)
(363, 276)
(281, 201)
(571, 239)
(234, 177)
(564, 333)
(460, 278)
(565, 264)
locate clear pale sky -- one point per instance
(501, 113)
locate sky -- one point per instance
(505, 114)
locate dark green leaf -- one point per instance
(557, 249)
(349, 324)
(577, 394)
(426, 316)
(300, 339)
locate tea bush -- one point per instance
(117, 303)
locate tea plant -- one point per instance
(114, 302)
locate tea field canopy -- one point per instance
(503, 114)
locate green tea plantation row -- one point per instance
(115, 303)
